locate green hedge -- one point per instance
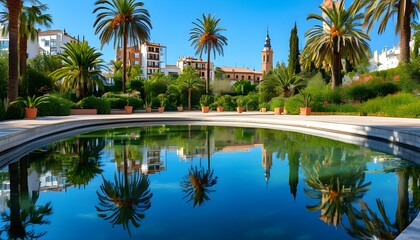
(293, 105)
(101, 104)
(392, 106)
(55, 106)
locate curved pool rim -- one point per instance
(22, 136)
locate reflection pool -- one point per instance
(206, 182)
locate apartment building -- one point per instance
(198, 64)
(151, 57)
(53, 41)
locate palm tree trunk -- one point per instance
(336, 68)
(208, 69)
(14, 7)
(124, 57)
(189, 99)
(406, 33)
(403, 201)
(16, 228)
(23, 47)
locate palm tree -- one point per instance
(189, 80)
(81, 68)
(29, 18)
(14, 8)
(282, 82)
(197, 184)
(339, 36)
(206, 36)
(126, 19)
(404, 11)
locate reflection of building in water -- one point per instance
(5, 189)
(267, 162)
(50, 182)
(152, 162)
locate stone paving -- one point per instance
(391, 135)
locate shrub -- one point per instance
(251, 105)
(206, 100)
(136, 84)
(101, 104)
(411, 110)
(360, 93)
(276, 102)
(293, 105)
(55, 106)
(389, 105)
(14, 112)
(228, 102)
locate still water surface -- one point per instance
(201, 182)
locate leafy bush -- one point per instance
(276, 102)
(389, 105)
(360, 93)
(228, 102)
(55, 106)
(343, 108)
(206, 100)
(36, 83)
(137, 84)
(293, 105)
(251, 105)
(101, 104)
(14, 112)
(411, 110)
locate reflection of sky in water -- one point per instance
(244, 205)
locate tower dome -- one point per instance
(267, 41)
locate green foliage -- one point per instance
(293, 105)
(137, 85)
(4, 75)
(264, 105)
(3, 109)
(373, 88)
(36, 83)
(276, 102)
(15, 111)
(206, 100)
(392, 105)
(30, 102)
(228, 102)
(119, 100)
(101, 104)
(251, 105)
(409, 75)
(243, 87)
(45, 63)
(163, 100)
(56, 106)
(293, 63)
(240, 101)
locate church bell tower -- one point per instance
(267, 55)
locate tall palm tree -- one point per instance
(30, 18)
(206, 37)
(14, 8)
(339, 36)
(190, 80)
(81, 68)
(403, 11)
(282, 82)
(122, 19)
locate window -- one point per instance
(136, 62)
(228, 76)
(258, 78)
(53, 43)
(136, 55)
(202, 74)
(243, 77)
(268, 58)
(47, 43)
(263, 58)
(237, 77)
(249, 77)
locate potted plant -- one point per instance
(277, 104)
(205, 102)
(180, 108)
(128, 108)
(30, 104)
(240, 104)
(306, 98)
(147, 107)
(264, 106)
(162, 99)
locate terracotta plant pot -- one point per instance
(278, 111)
(180, 109)
(305, 111)
(263, 109)
(219, 109)
(161, 109)
(240, 109)
(149, 109)
(128, 109)
(205, 109)
(30, 113)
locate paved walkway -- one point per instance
(398, 136)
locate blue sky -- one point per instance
(246, 23)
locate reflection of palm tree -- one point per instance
(87, 165)
(337, 191)
(197, 185)
(20, 217)
(125, 201)
(374, 226)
